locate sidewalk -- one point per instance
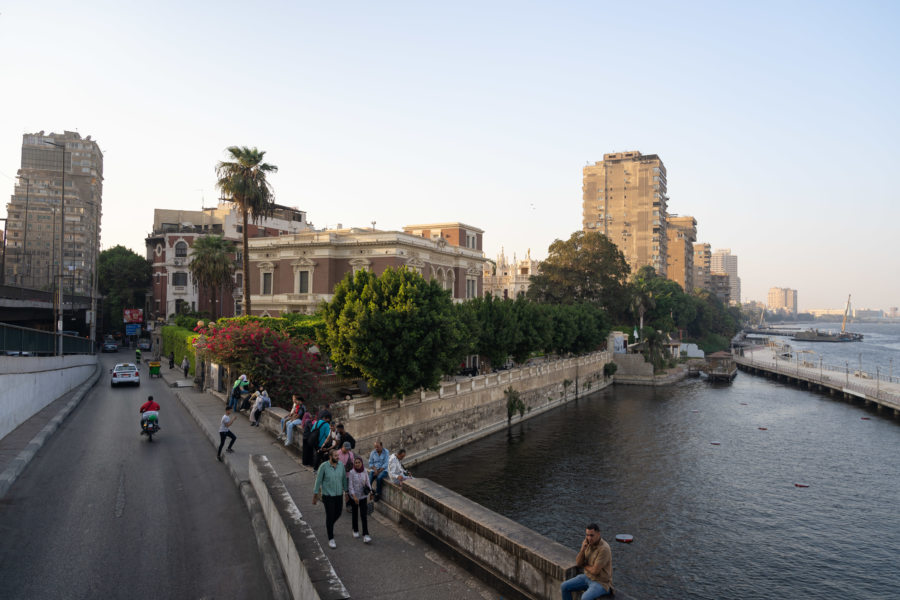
(395, 565)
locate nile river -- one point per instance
(709, 521)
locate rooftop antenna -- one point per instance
(202, 198)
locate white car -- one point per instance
(125, 373)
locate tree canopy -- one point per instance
(396, 330)
(243, 182)
(587, 267)
(212, 266)
(123, 280)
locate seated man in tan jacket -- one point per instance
(596, 559)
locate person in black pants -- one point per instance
(225, 432)
(331, 488)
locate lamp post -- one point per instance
(60, 311)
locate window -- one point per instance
(267, 283)
(181, 249)
(179, 278)
(471, 288)
(302, 282)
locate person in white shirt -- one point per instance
(395, 467)
(225, 432)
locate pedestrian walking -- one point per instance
(331, 488)
(225, 432)
(185, 366)
(358, 486)
(171, 360)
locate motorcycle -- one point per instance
(149, 423)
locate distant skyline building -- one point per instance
(624, 197)
(723, 261)
(702, 262)
(782, 300)
(32, 250)
(682, 233)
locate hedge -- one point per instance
(180, 341)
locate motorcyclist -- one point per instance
(137, 355)
(148, 409)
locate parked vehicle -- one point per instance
(110, 347)
(125, 373)
(144, 344)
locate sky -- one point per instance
(777, 122)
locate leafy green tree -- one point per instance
(396, 330)
(535, 328)
(212, 266)
(123, 280)
(243, 182)
(587, 267)
(497, 330)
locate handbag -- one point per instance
(367, 490)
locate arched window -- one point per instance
(181, 249)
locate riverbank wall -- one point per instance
(430, 423)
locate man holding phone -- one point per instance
(596, 559)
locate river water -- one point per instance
(709, 521)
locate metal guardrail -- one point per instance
(24, 341)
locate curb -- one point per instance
(268, 553)
(20, 462)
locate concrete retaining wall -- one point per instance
(521, 560)
(433, 422)
(28, 384)
(309, 573)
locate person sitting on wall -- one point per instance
(378, 468)
(342, 436)
(596, 560)
(395, 467)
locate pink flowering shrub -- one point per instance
(268, 357)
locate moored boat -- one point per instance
(720, 367)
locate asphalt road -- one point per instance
(102, 513)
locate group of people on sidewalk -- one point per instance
(344, 479)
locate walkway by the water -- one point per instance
(882, 391)
(395, 565)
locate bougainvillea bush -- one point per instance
(268, 357)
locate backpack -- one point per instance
(308, 429)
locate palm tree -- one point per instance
(243, 182)
(212, 266)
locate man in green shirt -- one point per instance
(331, 487)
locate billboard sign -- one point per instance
(133, 315)
(132, 329)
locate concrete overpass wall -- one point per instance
(28, 384)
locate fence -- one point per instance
(23, 341)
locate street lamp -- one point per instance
(60, 311)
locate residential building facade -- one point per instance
(720, 285)
(702, 265)
(782, 300)
(169, 250)
(682, 233)
(624, 197)
(57, 169)
(509, 279)
(296, 273)
(723, 261)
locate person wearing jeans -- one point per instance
(596, 560)
(225, 432)
(378, 467)
(331, 488)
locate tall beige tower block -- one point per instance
(624, 198)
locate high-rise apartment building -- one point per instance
(682, 233)
(723, 261)
(624, 198)
(52, 163)
(702, 261)
(782, 300)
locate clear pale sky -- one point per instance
(777, 121)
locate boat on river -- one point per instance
(815, 335)
(720, 366)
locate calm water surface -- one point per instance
(709, 521)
